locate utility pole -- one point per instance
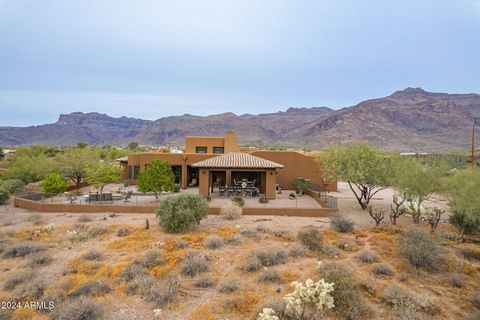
(474, 152)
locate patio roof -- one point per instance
(237, 160)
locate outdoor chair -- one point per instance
(222, 190)
(70, 197)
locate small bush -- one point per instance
(153, 258)
(346, 294)
(231, 211)
(91, 288)
(340, 223)
(123, 232)
(252, 264)
(181, 244)
(182, 212)
(419, 249)
(297, 251)
(194, 264)
(311, 238)
(238, 201)
(162, 293)
(92, 254)
(16, 280)
(22, 249)
(11, 184)
(329, 251)
(458, 280)
(271, 276)
(204, 283)
(39, 259)
(406, 304)
(367, 257)
(4, 196)
(235, 240)
(36, 219)
(470, 253)
(249, 232)
(131, 272)
(476, 300)
(83, 308)
(32, 290)
(140, 284)
(214, 242)
(229, 286)
(382, 270)
(84, 218)
(347, 245)
(265, 258)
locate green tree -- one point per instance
(463, 187)
(156, 177)
(82, 145)
(133, 145)
(181, 212)
(418, 180)
(365, 169)
(75, 162)
(28, 167)
(54, 184)
(104, 173)
(4, 196)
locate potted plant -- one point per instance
(300, 185)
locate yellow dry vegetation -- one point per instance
(202, 312)
(140, 238)
(226, 232)
(28, 314)
(111, 271)
(242, 304)
(57, 234)
(455, 264)
(290, 275)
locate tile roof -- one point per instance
(237, 160)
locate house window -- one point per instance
(201, 149)
(218, 150)
(136, 171)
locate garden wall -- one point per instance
(103, 208)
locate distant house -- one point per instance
(207, 162)
(6, 153)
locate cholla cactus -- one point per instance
(72, 235)
(313, 293)
(49, 229)
(157, 313)
(267, 314)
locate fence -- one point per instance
(315, 191)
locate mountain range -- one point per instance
(408, 120)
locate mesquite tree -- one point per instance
(157, 177)
(365, 169)
(377, 214)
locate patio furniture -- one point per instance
(117, 196)
(95, 197)
(230, 190)
(70, 197)
(222, 190)
(193, 182)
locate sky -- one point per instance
(153, 58)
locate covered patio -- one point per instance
(238, 174)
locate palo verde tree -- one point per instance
(418, 180)
(104, 173)
(54, 184)
(156, 177)
(463, 187)
(75, 162)
(365, 169)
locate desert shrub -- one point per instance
(96, 231)
(340, 223)
(17, 279)
(36, 219)
(39, 259)
(163, 292)
(91, 288)
(405, 304)
(194, 264)
(249, 232)
(181, 212)
(419, 249)
(270, 275)
(131, 271)
(458, 280)
(181, 244)
(346, 294)
(4, 196)
(84, 218)
(123, 232)
(347, 245)
(252, 264)
(312, 238)
(469, 253)
(448, 235)
(92, 254)
(140, 284)
(22, 249)
(329, 251)
(83, 308)
(204, 283)
(238, 201)
(32, 289)
(235, 240)
(229, 286)
(271, 256)
(231, 211)
(214, 242)
(279, 307)
(11, 184)
(382, 270)
(297, 250)
(367, 257)
(476, 300)
(153, 258)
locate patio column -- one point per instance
(271, 180)
(183, 181)
(228, 177)
(203, 181)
